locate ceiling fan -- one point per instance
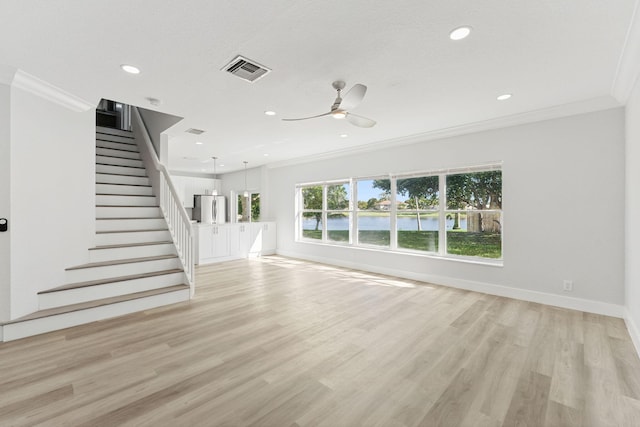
(341, 106)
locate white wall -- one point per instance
(563, 209)
(52, 195)
(156, 123)
(632, 252)
(5, 179)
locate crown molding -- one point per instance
(565, 110)
(7, 73)
(42, 89)
(629, 63)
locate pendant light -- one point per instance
(246, 192)
(215, 177)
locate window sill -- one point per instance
(489, 262)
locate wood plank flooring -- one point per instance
(282, 342)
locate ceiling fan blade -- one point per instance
(360, 121)
(353, 97)
(305, 118)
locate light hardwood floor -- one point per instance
(281, 342)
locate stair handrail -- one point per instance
(171, 206)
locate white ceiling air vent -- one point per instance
(194, 131)
(246, 69)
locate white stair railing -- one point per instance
(174, 213)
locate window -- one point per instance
(474, 214)
(312, 212)
(417, 213)
(326, 207)
(373, 212)
(337, 213)
(248, 208)
(453, 214)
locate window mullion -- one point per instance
(442, 223)
(354, 212)
(324, 213)
(393, 229)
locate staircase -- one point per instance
(134, 265)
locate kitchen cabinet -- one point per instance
(213, 242)
(216, 243)
(263, 238)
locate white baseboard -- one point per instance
(580, 304)
(634, 332)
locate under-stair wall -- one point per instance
(52, 195)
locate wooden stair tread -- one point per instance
(127, 245)
(125, 218)
(104, 130)
(127, 206)
(119, 183)
(117, 157)
(89, 283)
(125, 195)
(97, 303)
(120, 174)
(121, 166)
(121, 261)
(131, 231)
(117, 149)
(123, 149)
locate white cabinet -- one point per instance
(217, 243)
(244, 239)
(213, 242)
(263, 238)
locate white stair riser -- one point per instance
(115, 138)
(127, 212)
(108, 200)
(109, 271)
(117, 161)
(101, 151)
(130, 224)
(117, 146)
(122, 179)
(53, 323)
(123, 189)
(113, 289)
(120, 170)
(112, 131)
(109, 254)
(104, 239)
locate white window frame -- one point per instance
(393, 212)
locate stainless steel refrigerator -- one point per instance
(209, 209)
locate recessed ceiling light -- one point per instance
(266, 154)
(198, 143)
(269, 113)
(130, 69)
(344, 135)
(504, 97)
(460, 33)
(221, 166)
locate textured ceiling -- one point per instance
(546, 52)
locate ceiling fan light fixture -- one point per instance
(460, 33)
(339, 114)
(130, 69)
